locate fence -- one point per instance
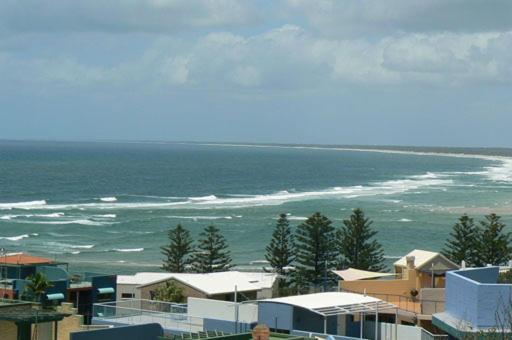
(414, 305)
(172, 317)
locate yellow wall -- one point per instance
(69, 324)
(145, 292)
(8, 330)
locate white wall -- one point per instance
(127, 288)
(222, 310)
(387, 331)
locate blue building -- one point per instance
(475, 303)
(83, 290)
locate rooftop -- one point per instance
(24, 259)
(334, 303)
(209, 283)
(352, 274)
(422, 258)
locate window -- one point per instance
(127, 296)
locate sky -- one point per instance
(366, 72)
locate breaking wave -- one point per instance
(128, 250)
(22, 205)
(14, 238)
(108, 199)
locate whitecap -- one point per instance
(23, 205)
(404, 220)
(76, 252)
(108, 199)
(106, 216)
(203, 198)
(85, 246)
(14, 238)
(128, 250)
(81, 222)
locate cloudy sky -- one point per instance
(400, 72)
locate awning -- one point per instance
(352, 274)
(106, 290)
(56, 296)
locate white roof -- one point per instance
(352, 274)
(421, 258)
(142, 278)
(334, 303)
(209, 283)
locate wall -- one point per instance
(69, 324)
(473, 301)
(389, 330)
(125, 288)
(145, 291)
(275, 315)
(434, 301)
(149, 331)
(392, 287)
(8, 330)
(305, 320)
(222, 310)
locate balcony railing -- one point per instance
(409, 304)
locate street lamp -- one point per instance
(3, 253)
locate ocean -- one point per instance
(106, 207)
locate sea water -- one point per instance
(107, 206)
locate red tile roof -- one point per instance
(23, 259)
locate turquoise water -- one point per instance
(107, 206)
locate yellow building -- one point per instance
(416, 287)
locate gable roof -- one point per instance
(208, 283)
(422, 258)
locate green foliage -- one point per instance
(315, 251)
(212, 254)
(494, 247)
(464, 242)
(169, 293)
(38, 285)
(280, 252)
(505, 277)
(356, 246)
(177, 252)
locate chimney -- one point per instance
(410, 262)
(261, 332)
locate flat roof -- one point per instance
(352, 274)
(334, 303)
(24, 259)
(208, 283)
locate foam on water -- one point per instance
(22, 205)
(108, 199)
(128, 250)
(15, 238)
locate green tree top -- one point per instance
(280, 253)
(357, 245)
(494, 243)
(315, 249)
(177, 252)
(463, 242)
(37, 286)
(212, 253)
(169, 292)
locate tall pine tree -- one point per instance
(357, 245)
(212, 254)
(494, 242)
(280, 252)
(177, 252)
(463, 242)
(315, 251)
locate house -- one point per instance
(416, 287)
(83, 290)
(475, 303)
(327, 313)
(21, 320)
(218, 285)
